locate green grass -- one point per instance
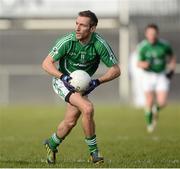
(121, 134)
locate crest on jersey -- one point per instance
(55, 50)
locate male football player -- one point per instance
(157, 59)
(82, 49)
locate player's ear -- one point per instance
(93, 28)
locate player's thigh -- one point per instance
(162, 89)
(72, 113)
(81, 102)
(162, 83)
(149, 97)
(148, 81)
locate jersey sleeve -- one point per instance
(169, 50)
(106, 54)
(60, 48)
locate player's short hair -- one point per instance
(152, 25)
(91, 15)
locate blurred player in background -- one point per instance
(82, 49)
(158, 62)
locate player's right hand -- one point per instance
(144, 65)
(65, 79)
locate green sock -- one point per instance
(54, 141)
(92, 144)
(148, 116)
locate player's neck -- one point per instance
(153, 42)
(85, 41)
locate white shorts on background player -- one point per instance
(155, 81)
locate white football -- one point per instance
(80, 80)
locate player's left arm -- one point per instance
(108, 58)
(171, 67)
(112, 73)
(171, 64)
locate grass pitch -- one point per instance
(121, 134)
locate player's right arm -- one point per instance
(56, 53)
(49, 66)
(142, 62)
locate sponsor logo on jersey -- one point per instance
(72, 54)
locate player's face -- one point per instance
(83, 28)
(151, 35)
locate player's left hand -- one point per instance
(170, 74)
(92, 85)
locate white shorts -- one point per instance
(155, 81)
(60, 89)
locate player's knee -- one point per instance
(162, 104)
(88, 110)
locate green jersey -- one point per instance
(156, 54)
(72, 55)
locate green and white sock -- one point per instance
(54, 141)
(149, 117)
(156, 108)
(92, 144)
